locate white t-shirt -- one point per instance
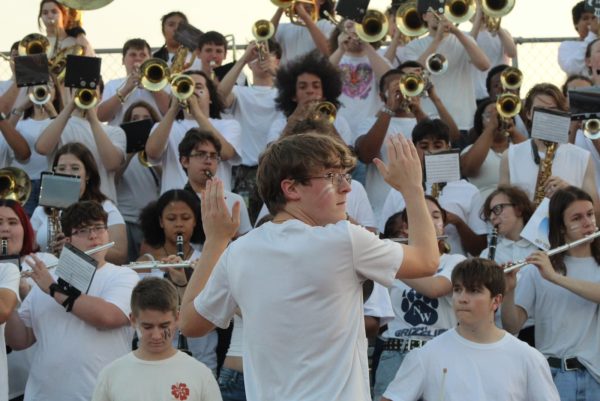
(493, 49)
(179, 377)
(399, 58)
(358, 206)
(489, 173)
(254, 109)
(309, 281)
(9, 280)
(455, 86)
(7, 155)
(235, 345)
(39, 222)
(459, 197)
(507, 369)
(78, 129)
(571, 55)
(173, 175)
(5, 85)
(31, 130)
(136, 95)
(340, 124)
(296, 41)
(416, 315)
(70, 352)
(138, 186)
(360, 93)
(586, 143)
(379, 305)
(566, 325)
(376, 187)
(570, 163)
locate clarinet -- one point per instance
(182, 344)
(493, 243)
(4, 245)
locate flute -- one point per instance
(154, 264)
(89, 252)
(404, 240)
(560, 249)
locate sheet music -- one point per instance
(550, 125)
(537, 228)
(76, 268)
(442, 167)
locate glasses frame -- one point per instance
(204, 155)
(500, 208)
(331, 177)
(84, 232)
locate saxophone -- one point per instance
(544, 172)
(54, 228)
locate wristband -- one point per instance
(388, 111)
(17, 112)
(120, 97)
(54, 288)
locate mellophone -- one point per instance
(517, 265)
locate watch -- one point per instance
(17, 112)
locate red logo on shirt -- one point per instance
(180, 391)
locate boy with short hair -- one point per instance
(156, 370)
(476, 360)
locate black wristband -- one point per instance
(54, 288)
(70, 301)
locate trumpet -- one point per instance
(325, 111)
(588, 238)
(591, 128)
(14, 184)
(182, 86)
(34, 43)
(290, 10)
(154, 264)
(412, 85)
(436, 64)
(459, 11)
(86, 98)
(494, 10)
(263, 30)
(373, 28)
(89, 252)
(40, 95)
(508, 105)
(409, 21)
(154, 74)
(511, 78)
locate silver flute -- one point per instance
(88, 252)
(554, 251)
(155, 264)
(404, 240)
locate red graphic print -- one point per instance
(180, 391)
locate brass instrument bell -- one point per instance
(325, 111)
(34, 43)
(459, 11)
(154, 74)
(40, 95)
(508, 105)
(412, 85)
(85, 98)
(373, 28)
(511, 78)
(591, 128)
(436, 64)
(14, 184)
(409, 21)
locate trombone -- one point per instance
(373, 27)
(514, 266)
(263, 30)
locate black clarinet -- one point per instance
(4, 245)
(182, 344)
(493, 243)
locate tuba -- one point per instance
(373, 28)
(14, 184)
(409, 21)
(459, 11)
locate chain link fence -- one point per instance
(537, 59)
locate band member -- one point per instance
(571, 53)
(76, 159)
(14, 233)
(422, 307)
(156, 370)
(169, 24)
(310, 268)
(76, 333)
(121, 93)
(63, 27)
(562, 293)
(506, 367)
(200, 155)
(205, 109)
